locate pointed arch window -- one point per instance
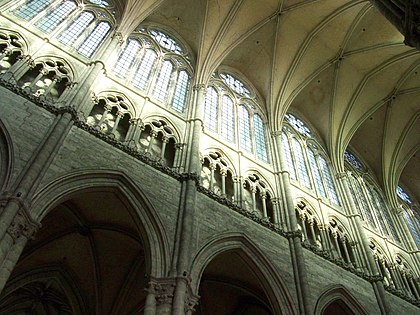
(144, 70)
(301, 165)
(411, 214)
(49, 22)
(245, 142)
(92, 42)
(260, 140)
(328, 180)
(211, 109)
(179, 101)
(30, 8)
(74, 31)
(163, 69)
(316, 173)
(227, 130)
(162, 82)
(288, 155)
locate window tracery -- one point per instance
(46, 78)
(368, 199)
(156, 58)
(69, 22)
(256, 196)
(11, 50)
(411, 213)
(304, 159)
(231, 111)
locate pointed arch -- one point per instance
(271, 282)
(336, 293)
(6, 156)
(146, 218)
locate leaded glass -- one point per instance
(49, 22)
(317, 175)
(235, 85)
(101, 3)
(298, 125)
(403, 195)
(301, 165)
(353, 160)
(127, 57)
(31, 8)
(413, 229)
(288, 155)
(91, 44)
(227, 123)
(326, 173)
(166, 42)
(73, 32)
(245, 141)
(260, 140)
(162, 82)
(356, 198)
(144, 69)
(383, 209)
(211, 109)
(181, 91)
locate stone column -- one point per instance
(212, 169)
(277, 218)
(117, 121)
(20, 230)
(178, 154)
(165, 141)
(185, 232)
(223, 174)
(294, 236)
(29, 179)
(264, 205)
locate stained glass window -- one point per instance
(73, 32)
(301, 165)
(142, 76)
(49, 22)
(235, 84)
(167, 42)
(227, 127)
(260, 140)
(211, 109)
(245, 141)
(31, 8)
(127, 57)
(353, 160)
(298, 125)
(317, 175)
(328, 180)
(179, 101)
(162, 82)
(403, 195)
(288, 155)
(92, 42)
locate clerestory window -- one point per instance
(411, 213)
(305, 161)
(83, 27)
(231, 111)
(158, 66)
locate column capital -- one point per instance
(341, 175)
(276, 133)
(163, 289)
(199, 86)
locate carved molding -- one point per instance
(22, 225)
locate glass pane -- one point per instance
(359, 203)
(162, 82)
(49, 22)
(353, 160)
(403, 195)
(142, 76)
(298, 125)
(413, 229)
(288, 155)
(326, 173)
(317, 175)
(245, 141)
(384, 210)
(126, 59)
(91, 44)
(260, 140)
(227, 127)
(179, 101)
(368, 210)
(210, 109)
(73, 32)
(301, 165)
(235, 84)
(31, 8)
(167, 42)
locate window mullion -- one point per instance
(83, 35)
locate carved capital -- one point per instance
(198, 87)
(163, 289)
